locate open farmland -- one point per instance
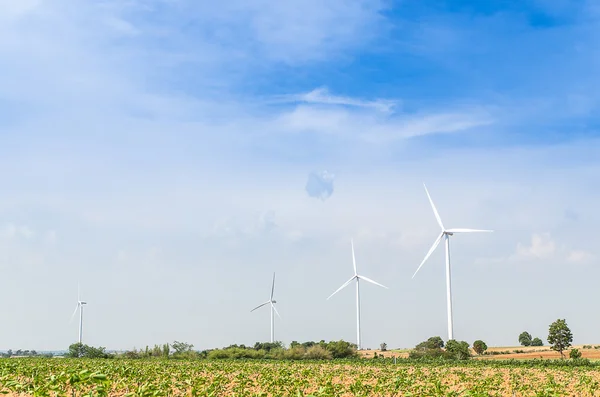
(66, 377)
(502, 353)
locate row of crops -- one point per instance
(66, 377)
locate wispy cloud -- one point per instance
(322, 96)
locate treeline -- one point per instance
(297, 351)
(24, 353)
(271, 351)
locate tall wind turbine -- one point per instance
(356, 277)
(445, 234)
(273, 309)
(79, 306)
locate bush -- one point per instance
(575, 354)
(537, 342)
(458, 350)
(342, 349)
(424, 353)
(295, 353)
(318, 353)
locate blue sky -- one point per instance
(170, 155)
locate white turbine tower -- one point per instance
(445, 234)
(356, 277)
(79, 306)
(273, 309)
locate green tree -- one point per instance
(575, 354)
(525, 339)
(537, 342)
(479, 346)
(182, 350)
(560, 336)
(458, 350)
(435, 342)
(79, 350)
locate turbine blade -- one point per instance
(261, 305)
(273, 286)
(469, 231)
(433, 247)
(437, 216)
(75, 311)
(342, 287)
(353, 257)
(274, 308)
(372, 281)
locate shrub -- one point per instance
(424, 353)
(342, 349)
(458, 350)
(295, 353)
(575, 354)
(318, 353)
(537, 342)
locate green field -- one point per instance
(72, 377)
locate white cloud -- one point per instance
(324, 97)
(542, 247)
(11, 231)
(373, 127)
(579, 257)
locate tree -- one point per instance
(525, 339)
(479, 346)
(79, 350)
(575, 354)
(560, 336)
(458, 350)
(181, 347)
(537, 342)
(383, 346)
(435, 342)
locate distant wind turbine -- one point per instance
(445, 234)
(273, 309)
(79, 306)
(356, 277)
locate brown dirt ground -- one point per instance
(529, 353)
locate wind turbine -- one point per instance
(79, 306)
(273, 309)
(356, 277)
(445, 234)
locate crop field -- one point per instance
(68, 377)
